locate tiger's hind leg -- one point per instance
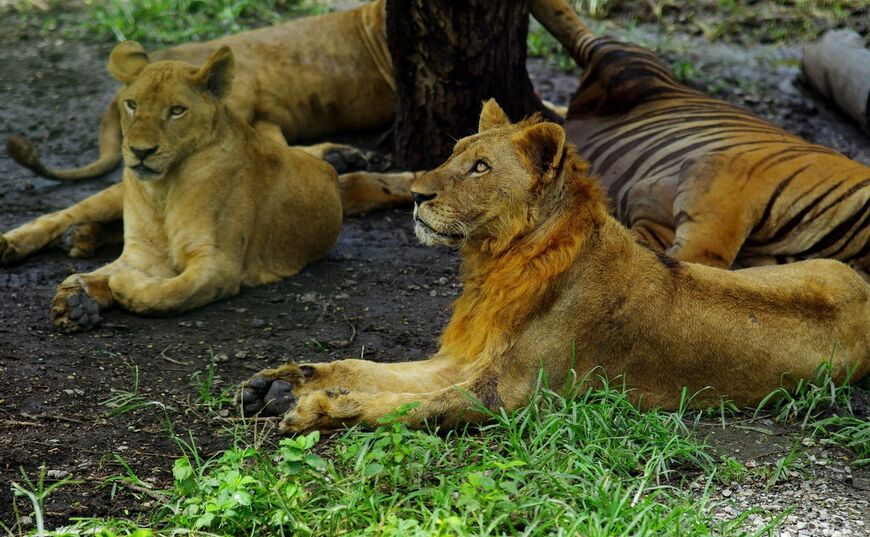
(25, 240)
(712, 217)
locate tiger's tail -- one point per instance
(23, 152)
(560, 19)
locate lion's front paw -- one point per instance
(272, 392)
(322, 410)
(345, 158)
(73, 310)
(8, 253)
(80, 240)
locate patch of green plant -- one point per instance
(36, 493)
(585, 463)
(163, 22)
(123, 401)
(541, 44)
(849, 432)
(810, 397)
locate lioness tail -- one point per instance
(23, 152)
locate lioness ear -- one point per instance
(126, 61)
(216, 76)
(492, 116)
(542, 146)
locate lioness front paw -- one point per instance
(8, 253)
(80, 240)
(322, 410)
(73, 310)
(272, 392)
(345, 158)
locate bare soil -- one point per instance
(378, 294)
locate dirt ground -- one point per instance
(378, 294)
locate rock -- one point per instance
(258, 323)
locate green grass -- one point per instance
(165, 22)
(586, 464)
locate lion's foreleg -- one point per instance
(326, 396)
(466, 402)
(104, 206)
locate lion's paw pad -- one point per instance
(266, 397)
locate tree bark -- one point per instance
(448, 57)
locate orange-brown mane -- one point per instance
(503, 289)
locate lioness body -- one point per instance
(552, 281)
(210, 203)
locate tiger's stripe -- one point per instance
(706, 180)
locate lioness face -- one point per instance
(167, 108)
(491, 184)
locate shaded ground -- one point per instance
(378, 294)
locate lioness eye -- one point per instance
(177, 111)
(480, 167)
(130, 104)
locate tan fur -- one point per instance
(302, 79)
(552, 280)
(209, 203)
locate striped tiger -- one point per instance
(702, 179)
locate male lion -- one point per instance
(209, 202)
(547, 270)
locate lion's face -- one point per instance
(492, 185)
(167, 108)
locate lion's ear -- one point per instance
(492, 116)
(126, 61)
(542, 146)
(216, 76)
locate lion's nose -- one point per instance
(143, 152)
(419, 197)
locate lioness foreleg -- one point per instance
(80, 298)
(368, 191)
(206, 278)
(104, 206)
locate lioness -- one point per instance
(547, 270)
(209, 202)
(305, 78)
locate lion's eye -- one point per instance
(177, 111)
(480, 167)
(130, 105)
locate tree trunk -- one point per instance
(448, 57)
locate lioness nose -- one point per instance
(419, 197)
(143, 152)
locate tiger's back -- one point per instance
(706, 180)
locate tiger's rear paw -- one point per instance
(272, 392)
(73, 310)
(80, 240)
(345, 158)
